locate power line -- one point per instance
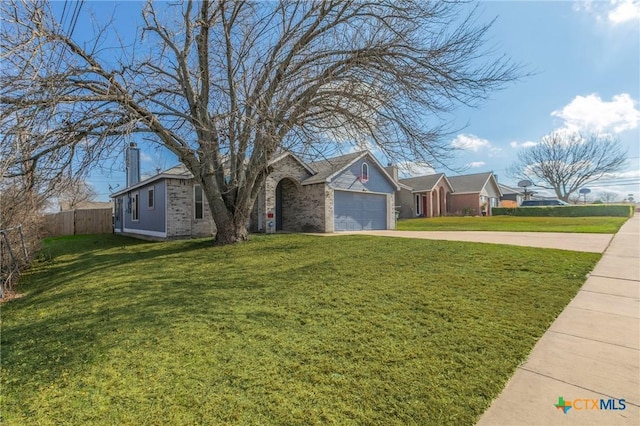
(74, 18)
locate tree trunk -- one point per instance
(231, 231)
(231, 223)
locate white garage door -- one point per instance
(354, 211)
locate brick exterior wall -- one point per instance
(303, 207)
(181, 222)
(459, 202)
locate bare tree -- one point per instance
(566, 162)
(75, 192)
(609, 197)
(225, 85)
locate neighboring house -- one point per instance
(425, 196)
(437, 195)
(511, 197)
(475, 194)
(350, 192)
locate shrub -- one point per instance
(616, 210)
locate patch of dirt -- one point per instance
(10, 295)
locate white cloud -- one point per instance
(527, 144)
(591, 113)
(614, 11)
(476, 164)
(414, 168)
(623, 175)
(146, 158)
(624, 11)
(470, 143)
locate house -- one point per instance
(169, 205)
(425, 196)
(438, 195)
(511, 197)
(475, 194)
(349, 192)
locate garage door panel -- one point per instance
(355, 211)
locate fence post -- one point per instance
(24, 246)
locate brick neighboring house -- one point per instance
(349, 192)
(438, 195)
(479, 192)
(425, 196)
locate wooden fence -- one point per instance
(75, 222)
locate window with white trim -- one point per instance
(197, 202)
(418, 204)
(364, 175)
(151, 203)
(134, 206)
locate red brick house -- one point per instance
(425, 196)
(439, 195)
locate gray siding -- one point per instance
(348, 179)
(153, 219)
(406, 200)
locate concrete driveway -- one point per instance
(593, 243)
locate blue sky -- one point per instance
(585, 60)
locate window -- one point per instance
(134, 206)
(418, 205)
(151, 201)
(364, 176)
(197, 201)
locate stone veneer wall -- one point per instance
(303, 206)
(181, 220)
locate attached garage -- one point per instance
(358, 211)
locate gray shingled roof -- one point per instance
(179, 171)
(469, 183)
(422, 183)
(175, 172)
(325, 168)
(508, 190)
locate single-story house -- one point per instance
(169, 205)
(475, 194)
(511, 197)
(349, 192)
(425, 196)
(438, 195)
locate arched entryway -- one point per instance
(287, 192)
(435, 204)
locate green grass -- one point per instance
(285, 329)
(597, 225)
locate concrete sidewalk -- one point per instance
(594, 243)
(590, 353)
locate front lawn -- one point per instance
(284, 329)
(595, 225)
